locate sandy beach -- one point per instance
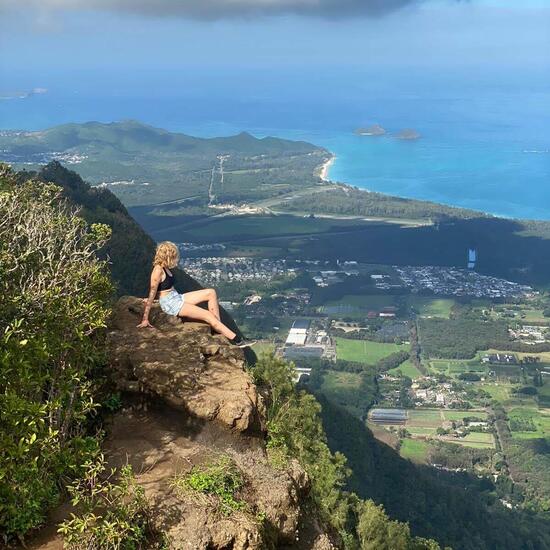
(323, 174)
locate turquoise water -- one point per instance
(485, 139)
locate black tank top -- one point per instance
(168, 282)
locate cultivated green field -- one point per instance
(427, 418)
(430, 307)
(459, 415)
(364, 351)
(535, 315)
(366, 301)
(356, 306)
(497, 390)
(539, 419)
(419, 430)
(414, 449)
(453, 367)
(406, 369)
(475, 440)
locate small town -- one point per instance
(444, 281)
(460, 282)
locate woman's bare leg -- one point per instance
(195, 312)
(205, 295)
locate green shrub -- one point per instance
(55, 303)
(221, 479)
(294, 429)
(112, 515)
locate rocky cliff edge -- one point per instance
(189, 401)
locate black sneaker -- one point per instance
(244, 343)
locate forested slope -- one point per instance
(434, 502)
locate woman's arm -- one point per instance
(156, 275)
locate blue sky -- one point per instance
(113, 35)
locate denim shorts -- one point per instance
(171, 303)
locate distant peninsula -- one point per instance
(374, 130)
(408, 134)
(23, 95)
(144, 165)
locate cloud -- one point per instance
(220, 9)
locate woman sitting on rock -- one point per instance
(183, 305)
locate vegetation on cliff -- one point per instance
(295, 430)
(55, 305)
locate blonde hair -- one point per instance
(167, 255)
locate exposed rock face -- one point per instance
(161, 444)
(184, 365)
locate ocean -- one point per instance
(485, 136)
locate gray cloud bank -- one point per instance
(221, 9)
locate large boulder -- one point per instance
(184, 365)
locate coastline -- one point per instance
(325, 168)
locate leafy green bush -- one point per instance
(377, 532)
(55, 303)
(221, 479)
(113, 515)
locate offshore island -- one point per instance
(408, 134)
(374, 130)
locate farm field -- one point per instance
(534, 315)
(431, 307)
(364, 351)
(460, 415)
(419, 430)
(357, 306)
(475, 440)
(406, 369)
(478, 440)
(427, 418)
(497, 390)
(453, 367)
(367, 301)
(422, 425)
(538, 419)
(414, 449)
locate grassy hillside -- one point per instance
(147, 165)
